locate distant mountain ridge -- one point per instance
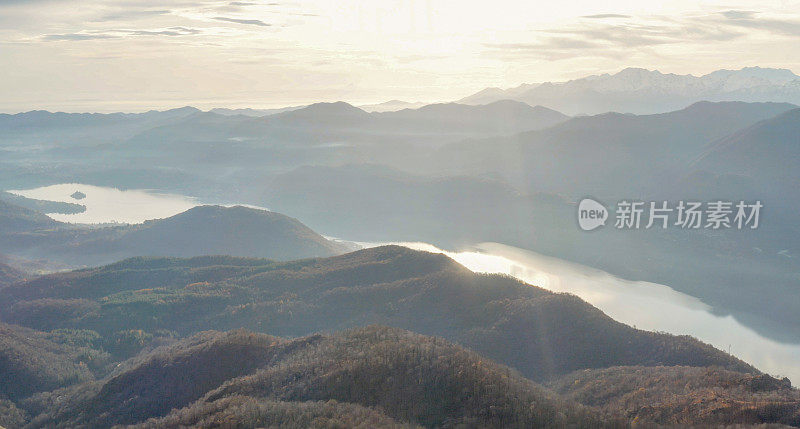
(392, 106)
(503, 116)
(762, 159)
(203, 230)
(642, 91)
(329, 128)
(46, 119)
(638, 152)
(14, 218)
(256, 113)
(59, 128)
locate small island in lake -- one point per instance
(43, 206)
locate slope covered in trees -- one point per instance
(389, 378)
(129, 344)
(540, 333)
(254, 412)
(14, 218)
(203, 230)
(9, 274)
(33, 361)
(684, 395)
(411, 378)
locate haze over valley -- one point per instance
(434, 174)
(399, 214)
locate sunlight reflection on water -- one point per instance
(645, 305)
(111, 205)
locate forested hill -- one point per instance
(202, 230)
(158, 342)
(540, 333)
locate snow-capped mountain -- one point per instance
(641, 91)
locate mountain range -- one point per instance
(449, 175)
(326, 122)
(288, 326)
(762, 159)
(43, 127)
(540, 333)
(129, 343)
(612, 155)
(521, 190)
(641, 91)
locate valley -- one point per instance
(332, 266)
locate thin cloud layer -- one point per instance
(614, 35)
(289, 53)
(257, 22)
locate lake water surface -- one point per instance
(111, 205)
(649, 306)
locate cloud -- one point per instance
(549, 48)
(739, 14)
(616, 36)
(605, 16)
(234, 6)
(117, 34)
(549, 43)
(243, 21)
(16, 2)
(756, 21)
(76, 37)
(653, 32)
(598, 38)
(172, 31)
(127, 15)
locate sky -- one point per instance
(135, 55)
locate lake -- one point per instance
(111, 205)
(644, 305)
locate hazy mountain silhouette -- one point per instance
(611, 155)
(43, 127)
(762, 161)
(323, 122)
(391, 106)
(199, 231)
(256, 113)
(36, 120)
(374, 202)
(42, 206)
(14, 218)
(635, 90)
(381, 204)
(237, 231)
(500, 117)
